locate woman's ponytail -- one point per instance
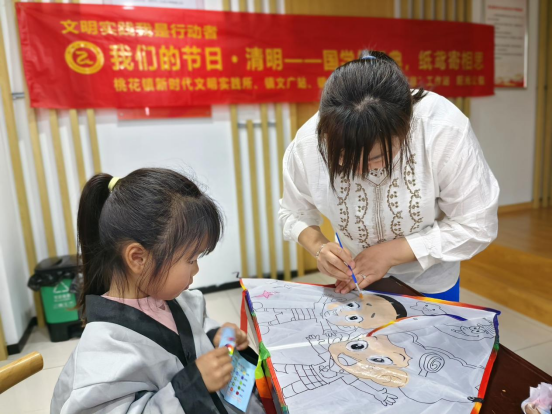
(94, 195)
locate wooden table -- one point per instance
(511, 376)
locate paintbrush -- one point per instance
(354, 277)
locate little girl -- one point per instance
(148, 345)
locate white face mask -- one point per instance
(376, 160)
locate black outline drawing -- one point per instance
(428, 308)
(467, 331)
(428, 359)
(426, 364)
(286, 315)
(431, 361)
(318, 375)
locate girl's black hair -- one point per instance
(365, 102)
(161, 209)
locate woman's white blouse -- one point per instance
(444, 201)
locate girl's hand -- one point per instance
(333, 260)
(241, 337)
(374, 262)
(215, 368)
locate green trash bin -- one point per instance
(61, 317)
(54, 279)
(58, 302)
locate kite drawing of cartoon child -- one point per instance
(382, 353)
(372, 364)
(335, 315)
(427, 367)
(369, 369)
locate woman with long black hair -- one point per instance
(400, 175)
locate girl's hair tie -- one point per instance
(112, 183)
(368, 57)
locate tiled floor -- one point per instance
(529, 338)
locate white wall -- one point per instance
(202, 148)
(505, 123)
(15, 303)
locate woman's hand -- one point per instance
(241, 337)
(333, 260)
(374, 262)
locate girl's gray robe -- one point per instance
(126, 362)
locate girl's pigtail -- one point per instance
(94, 195)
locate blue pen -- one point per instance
(354, 277)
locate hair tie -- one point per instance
(367, 57)
(112, 183)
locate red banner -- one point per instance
(92, 56)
